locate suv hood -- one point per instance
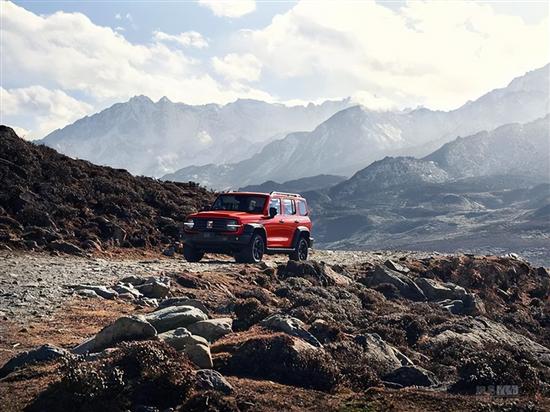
(243, 216)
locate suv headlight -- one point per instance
(189, 224)
(232, 225)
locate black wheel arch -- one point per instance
(301, 231)
(252, 228)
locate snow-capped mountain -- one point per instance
(151, 138)
(355, 137)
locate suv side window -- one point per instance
(288, 207)
(302, 207)
(276, 203)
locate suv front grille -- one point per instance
(218, 225)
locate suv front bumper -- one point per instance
(216, 242)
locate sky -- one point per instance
(63, 60)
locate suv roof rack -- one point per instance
(286, 194)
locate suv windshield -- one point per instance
(240, 203)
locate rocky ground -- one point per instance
(349, 331)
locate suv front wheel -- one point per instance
(253, 252)
(191, 254)
(301, 250)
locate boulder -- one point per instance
(154, 289)
(87, 293)
(183, 301)
(199, 355)
(128, 288)
(291, 326)
(209, 379)
(385, 356)
(123, 329)
(396, 266)
(174, 317)
(406, 376)
(181, 338)
(316, 272)
(102, 291)
(43, 353)
(479, 332)
(437, 291)
(65, 247)
(212, 329)
(133, 280)
(407, 288)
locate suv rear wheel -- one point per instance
(191, 254)
(253, 252)
(301, 250)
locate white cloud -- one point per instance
(238, 67)
(67, 51)
(48, 109)
(185, 39)
(229, 8)
(437, 54)
(204, 138)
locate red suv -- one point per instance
(247, 225)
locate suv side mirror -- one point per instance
(272, 212)
(206, 208)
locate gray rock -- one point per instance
(183, 301)
(209, 379)
(180, 338)
(411, 376)
(87, 293)
(65, 247)
(380, 353)
(154, 289)
(291, 326)
(102, 291)
(437, 291)
(128, 288)
(212, 329)
(199, 355)
(151, 302)
(407, 288)
(133, 280)
(174, 317)
(123, 329)
(480, 331)
(396, 266)
(170, 252)
(43, 353)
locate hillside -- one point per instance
(354, 137)
(154, 138)
(48, 200)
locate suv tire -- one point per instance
(253, 252)
(191, 254)
(301, 250)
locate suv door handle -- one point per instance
(296, 221)
(281, 221)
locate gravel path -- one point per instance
(37, 284)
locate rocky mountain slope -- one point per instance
(48, 200)
(363, 331)
(488, 193)
(153, 139)
(353, 138)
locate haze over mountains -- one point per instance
(149, 138)
(489, 192)
(354, 137)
